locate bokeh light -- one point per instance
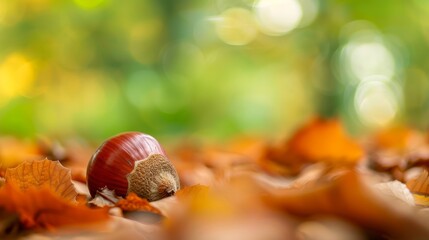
(278, 17)
(370, 58)
(17, 75)
(236, 26)
(365, 54)
(143, 40)
(10, 12)
(212, 69)
(376, 101)
(310, 11)
(369, 65)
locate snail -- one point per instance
(132, 162)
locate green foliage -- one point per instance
(170, 68)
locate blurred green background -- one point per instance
(210, 69)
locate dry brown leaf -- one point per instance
(347, 196)
(134, 203)
(394, 149)
(329, 228)
(40, 208)
(43, 174)
(105, 198)
(192, 173)
(419, 187)
(116, 228)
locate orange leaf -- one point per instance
(202, 200)
(40, 208)
(348, 197)
(192, 191)
(134, 203)
(397, 138)
(319, 140)
(43, 173)
(14, 151)
(324, 140)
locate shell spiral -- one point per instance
(115, 159)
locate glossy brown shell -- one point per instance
(115, 158)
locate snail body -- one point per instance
(132, 162)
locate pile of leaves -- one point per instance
(318, 183)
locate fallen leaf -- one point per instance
(398, 138)
(395, 191)
(9, 224)
(14, 151)
(219, 160)
(328, 228)
(325, 140)
(395, 149)
(320, 140)
(224, 212)
(105, 198)
(169, 206)
(202, 200)
(41, 208)
(134, 203)
(250, 147)
(81, 188)
(191, 173)
(192, 191)
(420, 188)
(348, 197)
(43, 173)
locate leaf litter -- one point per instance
(319, 183)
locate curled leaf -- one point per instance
(105, 198)
(43, 174)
